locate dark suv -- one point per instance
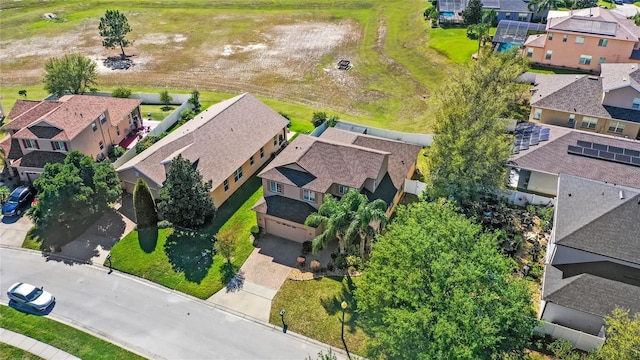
(19, 199)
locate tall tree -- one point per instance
(636, 19)
(194, 100)
(623, 336)
(470, 146)
(144, 205)
(437, 288)
(543, 6)
(226, 242)
(368, 219)
(113, 27)
(336, 216)
(473, 13)
(185, 199)
(74, 73)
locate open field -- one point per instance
(283, 50)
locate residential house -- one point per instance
(584, 39)
(296, 181)
(609, 103)
(42, 132)
(451, 10)
(511, 33)
(536, 164)
(227, 143)
(593, 260)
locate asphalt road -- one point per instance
(147, 318)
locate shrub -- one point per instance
(166, 100)
(115, 152)
(318, 118)
(341, 263)
(307, 247)
(121, 92)
(355, 261)
(330, 265)
(4, 194)
(164, 224)
(144, 205)
(314, 265)
(145, 143)
(333, 120)
(255, 230)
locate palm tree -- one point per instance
(541, 6)
(336, 216)
(368, 215)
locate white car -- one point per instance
(29, 295)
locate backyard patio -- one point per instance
(138, 134)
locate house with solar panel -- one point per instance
(607, 104)
(451, 10)
(585, 38)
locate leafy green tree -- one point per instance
(367, 215)
(146, 142)
(479, 31)
(165, 99)
(74, 73)
(4, 194)
(437, 288)
(584, 4)
(144, 205)
(77, 189)
(542, 6)
(470, 146)
(318, 118)
(185, 199)
(623, 336)
(226, 242)
(113, 27)
(194, 100)
(121, 92)
(636, 19)
(473, 13)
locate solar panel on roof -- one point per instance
(544, 137)
(616, 150)
(584, 144)
(534, 141)
(591, 152)
(607, 155)
(623, 158)
(635, 161)
(631, 152)
(605, 152)
(600, 147)
(524, 146)
(575, 149)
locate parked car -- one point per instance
(29, 295)
(19, 199)
(619, 2)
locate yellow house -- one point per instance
(607, 104)
(584, 39)
(227, 143)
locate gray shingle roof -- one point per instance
(514, 6)
(284, 208)
(552, 157)
(221, 139)
(592, 217)
(385, 191)
(615, 76)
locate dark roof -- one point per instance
(588, 293)
(11, 148)
(297, 177)
(38, 159)
(552, 157)
(385, 191)
(635, 54)
(513, 6)
(45, 132)
(284, 208)
(591, 216)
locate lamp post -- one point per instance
(344, 306)
(284, 326)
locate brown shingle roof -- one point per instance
(38, 159)
(222, 138)
(25, 112)
(118, 108)
(552, 157)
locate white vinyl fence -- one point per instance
(412, 138)
(523, 199)
(578, 339)
(414, 187)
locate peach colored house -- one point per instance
(584, 39)
(607, 104)
(296, 181)
(227, 143)
(42, 132)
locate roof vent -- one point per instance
(621, 195)
(593, 78)
(625, 79)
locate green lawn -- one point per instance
(453, 43)
(608, 4)
(61, 336)
(313, 309)
(174, 259)
(156, 111)
(9, 352)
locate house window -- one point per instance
(602, 60)
(522, 16)
(603, 42)
(251, 160)
(237, 175)
(537, 114)
(275, 140)
(117, 130)
(616, 127)
(102, 118)
(565, 38)
(309, 196)
(507, 16)
(550, 36)
(101, 145)
(548, 55)
(579, 39)
(275, 187)
(94, 126)
(530, 52)
(30, 144)
(589, 122)
(585, 59)
(636, 103)
(58, 145)
(261, 152)
(343, 189)
(572, 119)
(226, 185)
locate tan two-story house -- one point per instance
(296, 181)
(42, 132)
(226, 143)
(584, 39)
(607, 104)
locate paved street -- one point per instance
(147, 318)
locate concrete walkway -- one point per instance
(33, 346)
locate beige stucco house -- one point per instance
(296, 181)
(609, 103)
(584, 39)
(227, 143)
(42, 132)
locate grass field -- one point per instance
(283, 51)
(8, 352)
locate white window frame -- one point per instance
(118, 130)
(530, 52)
(237, 175)
(616, 127)
(585, 59)
(308, 196)
(58, 145)
(636, 103)
(275, 140)
(101, 145)
(603, 42)
(589, 123)
(572, 119)
(103, 118)
(565, 38)
(602, 60)
(579, 39)
(30, 144)
(94, 126)
(342, 189)
(225, 185)
(275, 187)
(548, 55)
(537, 114)
(550, 36)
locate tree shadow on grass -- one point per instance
(332, 304)
(232, 277)
(148, 239)
(191, 253)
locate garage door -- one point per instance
(286, 231)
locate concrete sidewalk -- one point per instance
(33, 346)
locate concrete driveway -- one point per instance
(627, 10)
(13, 229)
